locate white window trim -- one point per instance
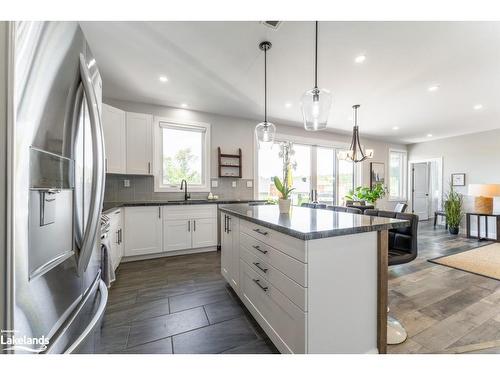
(404, 175)
(158, 153)
(281, 137)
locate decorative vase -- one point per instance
(453, 230)
(284, 205)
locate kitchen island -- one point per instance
(315, 280)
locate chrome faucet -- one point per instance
(186, 195)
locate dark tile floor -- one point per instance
(178, 305)
(182, 305)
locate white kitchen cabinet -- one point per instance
(143, 230)
(113, 122)
(177, 234)
(189, 227)
(115, 234)
(230, 251)
(204, 232)
(139, 158)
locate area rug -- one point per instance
(484, 261)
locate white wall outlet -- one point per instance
(233, 184)
(249, 184)
(126, 183)
(215, 183)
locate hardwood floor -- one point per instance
(182, 305)
(444, 310)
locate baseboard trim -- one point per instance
(168, 254)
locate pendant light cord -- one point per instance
(316, 59)
(265, 85)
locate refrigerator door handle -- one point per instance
(103, 290)
(98, 174)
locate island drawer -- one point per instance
(291, 267)
(282, 320)
(289, 245)
(293, 291)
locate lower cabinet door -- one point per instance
(142, 231)
(177, 234)
(204, 232)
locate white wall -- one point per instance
(477, 155)
(231, 133)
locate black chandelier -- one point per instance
(356, 153)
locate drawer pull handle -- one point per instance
(260, 231)
(257, 247)
(257, 281)
(257, 264)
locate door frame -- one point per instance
(439, 163)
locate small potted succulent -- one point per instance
(285, 186)
(454, 211)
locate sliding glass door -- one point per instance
(318, 172)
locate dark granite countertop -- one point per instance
(110, 206)
(309, 223)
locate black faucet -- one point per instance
(186, 195)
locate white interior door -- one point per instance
(420, 193)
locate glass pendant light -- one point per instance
(356, 152)
(316, 102)
(265, 131)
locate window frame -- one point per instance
(314, 143)
(402, 194)
(158, 153)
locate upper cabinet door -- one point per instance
(139, 143)
(113, 121)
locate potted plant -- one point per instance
(285, 186)
(364, 193)
(284, 202)
(453, 208)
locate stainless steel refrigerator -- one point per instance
(54, 298)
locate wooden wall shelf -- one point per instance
(228, 163)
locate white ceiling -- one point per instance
(217, 67)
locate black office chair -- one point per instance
(313, 205)
(350, 210)
(402, 249)
(400, 207)
(337, 208)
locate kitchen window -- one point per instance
(397, 175)
(317, 170)
(183, 153)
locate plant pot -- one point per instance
(453, 230)
(284, 205)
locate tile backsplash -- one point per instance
(142, 189)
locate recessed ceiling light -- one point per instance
(395, 128)
(184, 105)
(477, 107)
(163, 79)
(360, 59)
(433, 88)
(288, 105)
(429, 135)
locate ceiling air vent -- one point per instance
(272, 24)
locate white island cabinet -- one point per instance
(315, 280)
